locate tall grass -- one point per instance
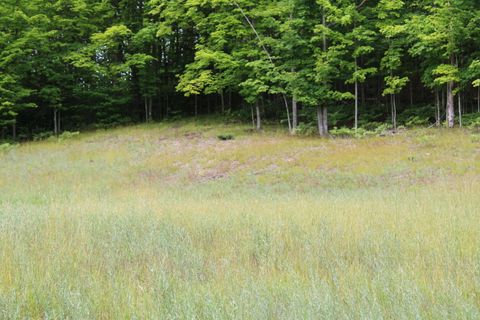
(149, 222)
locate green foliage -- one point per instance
(226, 137)
(72, 64)
(67, 135)
(5, 147)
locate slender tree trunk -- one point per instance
(294, 114)
(356, 97)
(167, 103)
(146, 109)
(14, 130)
(460, 110)
(437, 110)
(394, 112)
(55, 122)
(322, 114)
(222, 101)
(253, 117)
(442, 95)
(196, 105)
(320, 121)
(362, 91)
(450, 105)
(478, 100)
(150, 108)
(450, 98)
(285, 101)
(356, 105)
(159, 105)
(325, 120)
(259, 119)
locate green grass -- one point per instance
(168, 222)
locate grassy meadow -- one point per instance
(166, 221)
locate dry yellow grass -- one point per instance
(167, 221)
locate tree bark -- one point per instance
(253, 117)
(356, 105)
(478, 100)
(437, 110)
(146, 109)
(294, 114)
(325, 120)
(222, 101)
(394, 112)
(55, 122)
(460, 110)
(259, 119)
(322, 120)
(150, 107)
(450, 105)
(322, 112)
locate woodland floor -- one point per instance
(165, 221)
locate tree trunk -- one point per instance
(259, 119)
(437, 110)
(460, 110)
(59, 126)
(14, 130)
(356, 105)
(478, 100)
(394, 112)
(196, 105)
(450, 105)
(442, 95)
(294, 114)
(222, 101)
(150, 106)
(253, 117)
(362, 91)
(55, 122)
(167, 104)
(322, 120)
(325, 120)
(322, 112)
(146, 109)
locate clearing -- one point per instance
(166, 221)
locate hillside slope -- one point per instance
(168, 221)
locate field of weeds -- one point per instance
(166, 221)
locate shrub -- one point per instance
(6, 147)
(67, 135)
(306, 129)
(226, 137)
(42, 135)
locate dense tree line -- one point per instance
(67, 64)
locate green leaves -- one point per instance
(394, 84)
